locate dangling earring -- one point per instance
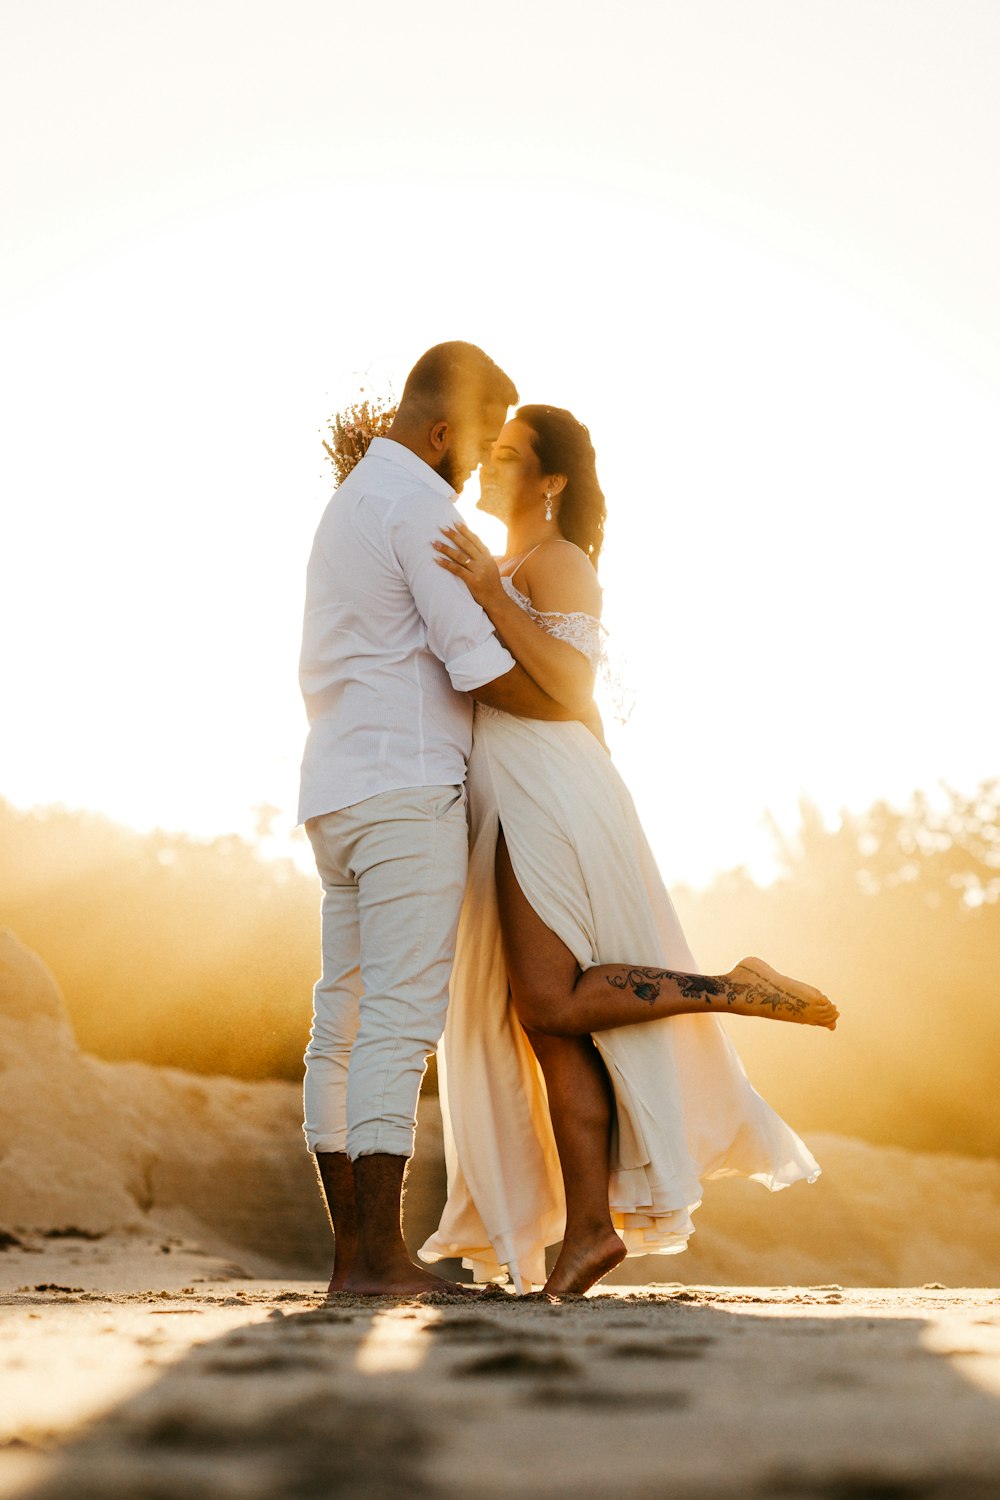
(548, 507)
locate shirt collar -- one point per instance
(389, 449)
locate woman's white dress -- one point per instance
(684, 1107)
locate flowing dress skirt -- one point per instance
(684, 1108)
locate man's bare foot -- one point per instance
(404, 1280)
(583, 1261)
(380, 1265)
(753, 988)
(342, 1262)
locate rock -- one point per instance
(122, 1146)
(29, 993)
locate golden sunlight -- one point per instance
(753, 248)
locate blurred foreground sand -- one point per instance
(238, 1388)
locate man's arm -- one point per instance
(458, 630)
(517, 693)
(562, 581)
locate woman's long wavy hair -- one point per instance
(562, 446)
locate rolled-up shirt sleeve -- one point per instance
(459, 631)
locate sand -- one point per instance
(163, 1328)
(254, 1389)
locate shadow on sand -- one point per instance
(657, 1396)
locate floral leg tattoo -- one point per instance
(645, 985)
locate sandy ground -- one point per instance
(197, 1382)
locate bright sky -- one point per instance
(752, 245)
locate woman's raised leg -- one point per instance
(553, 996)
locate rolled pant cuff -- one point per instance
(325, 1144)
(380, 1140)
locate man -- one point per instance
(394, 649)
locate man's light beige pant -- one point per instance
(393, 870)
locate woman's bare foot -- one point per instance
(753, 988)
(583, 1260)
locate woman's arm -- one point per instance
(562, 580)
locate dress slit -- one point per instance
(684, 1108)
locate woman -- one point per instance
(565, 1118)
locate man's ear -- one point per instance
(438, 436)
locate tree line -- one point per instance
(202, 955)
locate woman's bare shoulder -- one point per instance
(560, 578)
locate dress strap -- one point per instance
(524, 559)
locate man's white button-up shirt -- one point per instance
(391, 641)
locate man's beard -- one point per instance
(450, 472)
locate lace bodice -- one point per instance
(576, 628)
